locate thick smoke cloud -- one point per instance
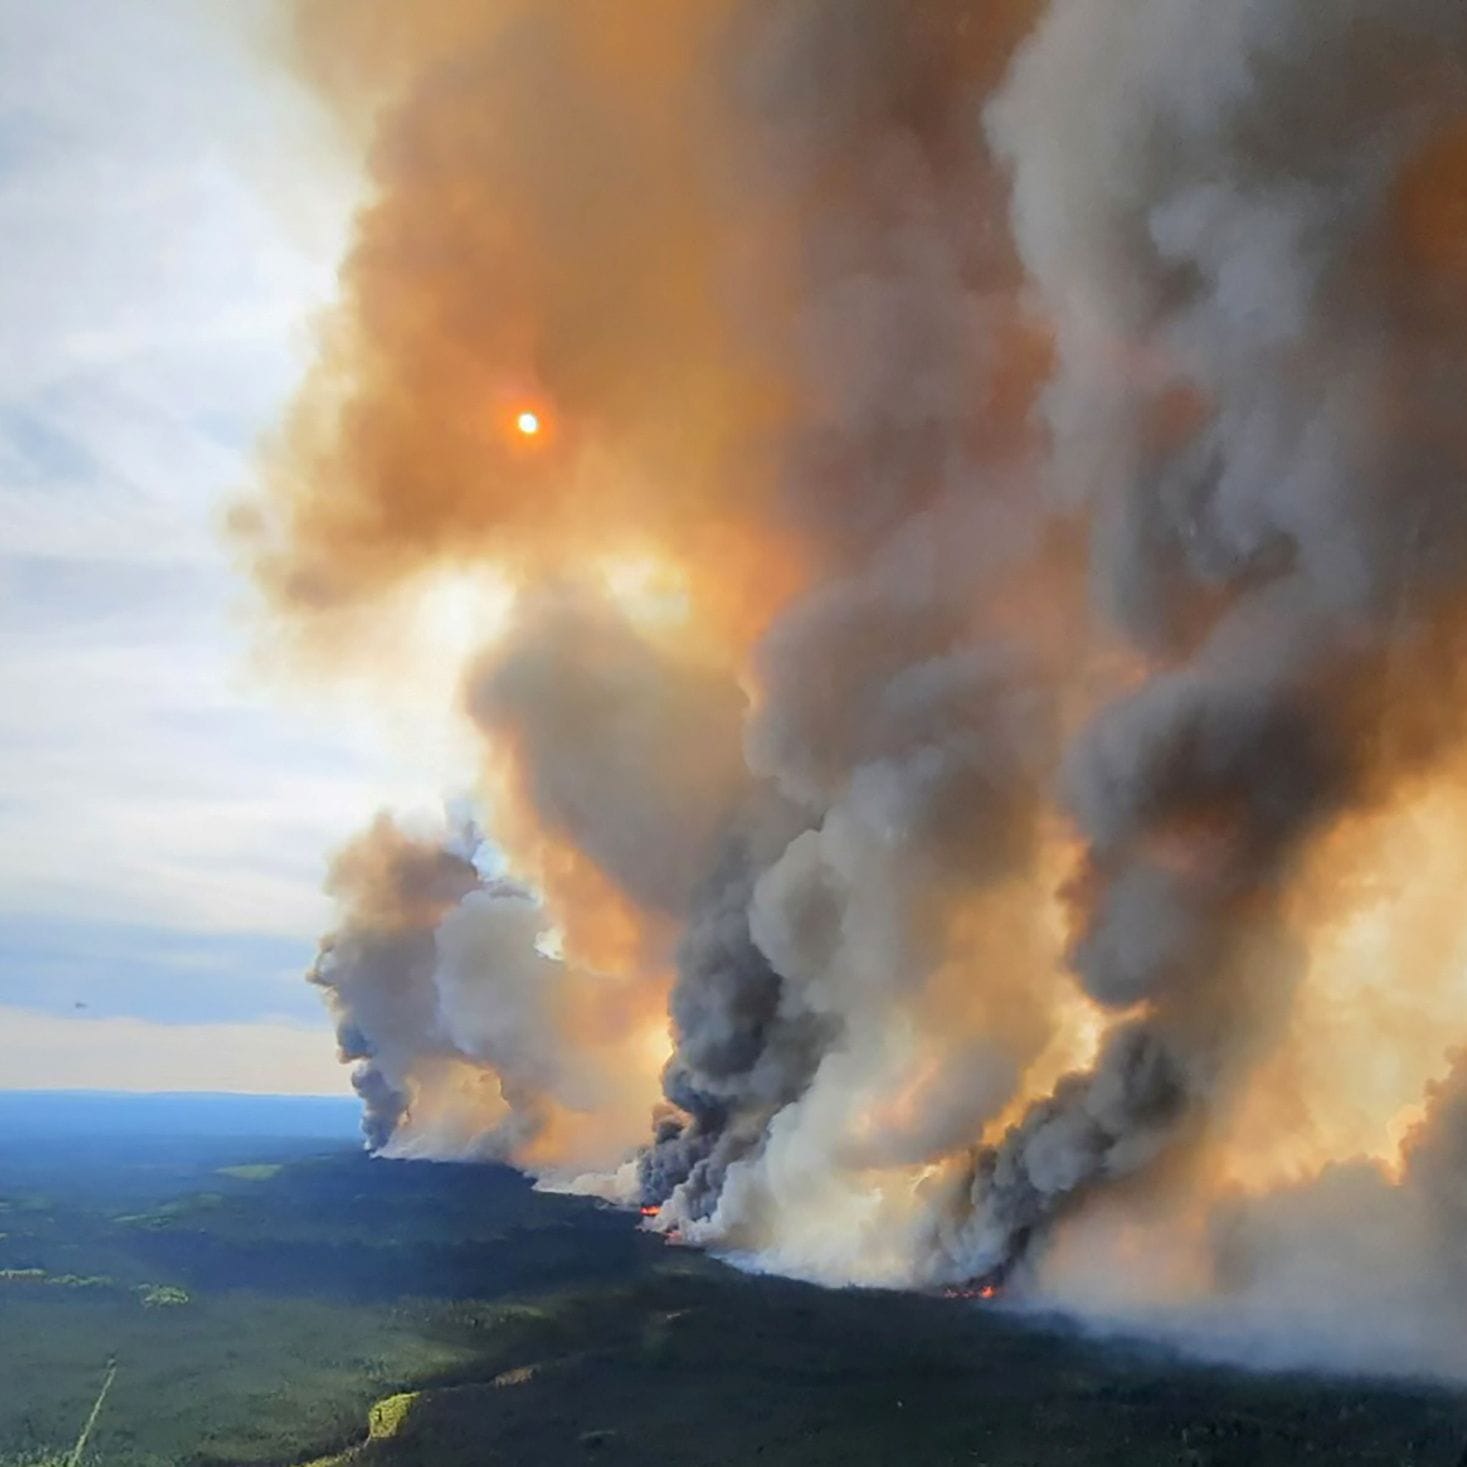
(987, 601)
(1360, 1266)
(377, 967)
(1267, 552)
(628, 754)
(457, 1018)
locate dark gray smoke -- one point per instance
(377, 967)
(1216, 187)
(741, 1052)
(1097, 1126)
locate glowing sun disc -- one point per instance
(528, 423)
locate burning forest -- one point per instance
(973, 495)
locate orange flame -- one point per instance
(985, 1292)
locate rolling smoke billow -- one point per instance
(975, 749)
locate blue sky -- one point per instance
(170, 217)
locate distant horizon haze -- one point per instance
(56, 1114)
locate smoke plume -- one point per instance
(976, 742)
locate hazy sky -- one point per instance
(169, 222)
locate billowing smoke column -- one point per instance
(460, 1021)
(976, 742)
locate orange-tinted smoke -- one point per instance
(541, 235)
(563, 209)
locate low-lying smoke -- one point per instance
(989, 586)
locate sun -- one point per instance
(528, 423)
